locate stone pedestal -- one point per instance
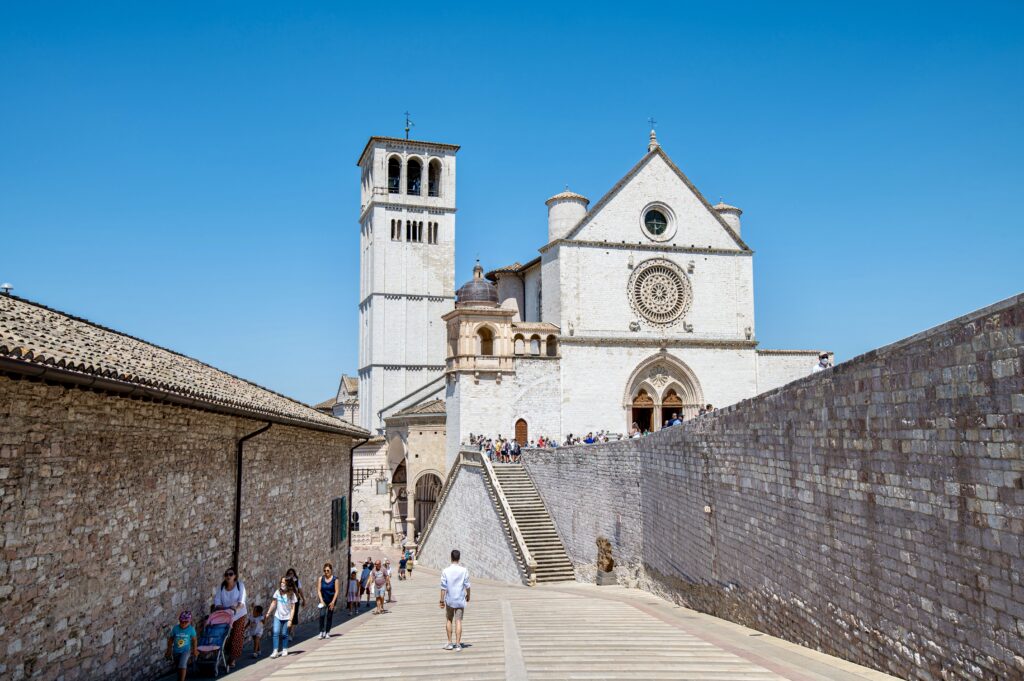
(606, 578)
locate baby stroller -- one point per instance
(214, 640)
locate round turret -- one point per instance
(565, 211)
(477, 291)
(731, 215)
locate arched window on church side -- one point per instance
(519, 344)
(486, 341)
(552, 346)
(394, 174)
(413, 175)
(535, 345)
(434, 178)
(396, 230)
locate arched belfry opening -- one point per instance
(434, 178)
(661, 386)
(394, 175)
(414, 177)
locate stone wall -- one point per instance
(592, 492)
(118, 513)
(468, 521)
(874, 511)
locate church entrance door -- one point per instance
(671, 404)
(522, 431)
(643, 411)
(427, 489)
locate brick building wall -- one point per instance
(874, 511)
(118, 513)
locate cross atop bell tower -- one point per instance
(407, 271)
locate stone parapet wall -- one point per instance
(593, 492)
(118, 513)
(874, 511)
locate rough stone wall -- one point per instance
(118, 513)
(469, 522)
(370, 505)
(874, 511)
(592, 492)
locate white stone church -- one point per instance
(635, 309)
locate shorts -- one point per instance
(379, 591)
(181, 659)
(453, 614)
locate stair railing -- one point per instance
(528, 560)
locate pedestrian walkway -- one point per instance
(556, 631)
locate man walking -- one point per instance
(454, 597)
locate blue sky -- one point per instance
(185, 172)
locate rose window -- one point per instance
(660, 292)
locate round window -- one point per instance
(655, 222)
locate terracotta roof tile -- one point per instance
(34, 337)
(431, 407)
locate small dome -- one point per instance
(567, 195)
(477, 290)
(722, 207)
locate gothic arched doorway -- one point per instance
(643, 411)
(522, 432)
(671, 405)
(428, 487)
(660, 386)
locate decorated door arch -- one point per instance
(660, 386)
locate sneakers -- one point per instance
(458, 647)
(284, 652)
(449, 646)
(274, 654)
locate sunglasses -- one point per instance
(229, 574)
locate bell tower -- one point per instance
(407, 272)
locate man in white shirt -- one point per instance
(454, 597)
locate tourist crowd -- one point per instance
(230, 621)
(508, 450)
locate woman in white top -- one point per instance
(230, 595)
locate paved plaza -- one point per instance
(563, 631)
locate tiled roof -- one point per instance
(431, 407)
(38, 341)
(515, 268)
(351, 384)
(326, 404)
(568, 195)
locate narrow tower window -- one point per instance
(434, 178)
(394, 174)
(414, 172)
(486, 341)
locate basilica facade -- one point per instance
(635, 309)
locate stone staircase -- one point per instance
(535, 525)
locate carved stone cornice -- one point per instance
(656, 247)
(632, 341)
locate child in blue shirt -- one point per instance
(182, 644)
